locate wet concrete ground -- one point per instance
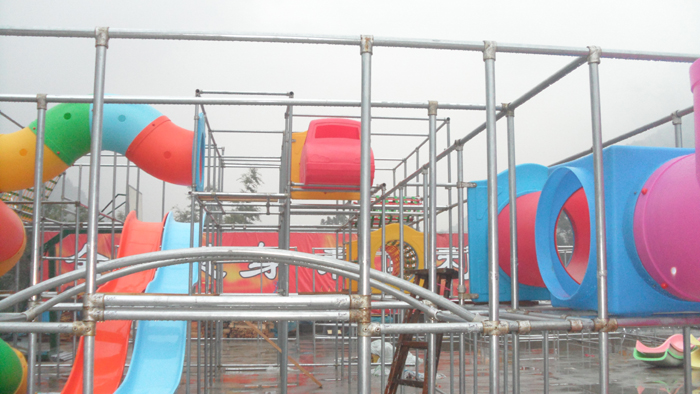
(573, 367)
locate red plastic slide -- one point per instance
(112, 337)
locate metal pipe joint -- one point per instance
(676, 119)
(432, 314)
(524, 327)
(360, 310)
(489, 50)
(461, 291)
(102, 37)
(466, 184)
(360, 301)
(41, 101)
(576, 325)
(495, 327)
(594, 53)
(94, 307)
(375, 329)
(506, 108)
(367, 43)
(605, 325)
(81, 328)
(432, 108)
(365, 330)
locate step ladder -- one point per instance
(445, 276)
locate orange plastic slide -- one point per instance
(112, 337)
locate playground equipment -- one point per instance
(499, 329)
(331, 153)
(652, 220)
(530, 178)
(159, 346)
(13, 238)
(633, 290)
(327, 157)
(13, 370)
(112, 337)
(141, 133)
(138, 131)
(413, 252)
(668, 354)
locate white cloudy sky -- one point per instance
(554, 125)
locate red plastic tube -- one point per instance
(164, 150)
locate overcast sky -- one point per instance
(554, 125)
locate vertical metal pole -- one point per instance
(283, 243)
(36, 231)
(492, 187)
(417, 166)
(402, 256)
(545, 353)
(162, 201)
(364, 228)
(139, 214)
(101, 42)
(514, 292)
(190, 278)
(677, 122)
(505, 363)
(475, 363)
(219, 291)
(15, 336)
(461, 290)
(687, 366)
(337, 288)
(593, 61)
(426, 219)
(383, 249)
(512, 189)
(128, 199)
(114, 202)
(449, 247)
(431, 226)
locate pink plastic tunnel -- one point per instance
(667, 217)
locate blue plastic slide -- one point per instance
(159, 346)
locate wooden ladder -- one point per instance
(445, 276)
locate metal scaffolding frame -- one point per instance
(469, 322)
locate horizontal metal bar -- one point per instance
(248, 131)
(476, 46)
(224, 315)
(373, 117)
(242, 301)
(420, 328)
(43, 202)
(481, 327)
(68, 306)
(247, 196)
(39, 328)
(288, 94)
(28, 98)
(654, 321)
(398, 135)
